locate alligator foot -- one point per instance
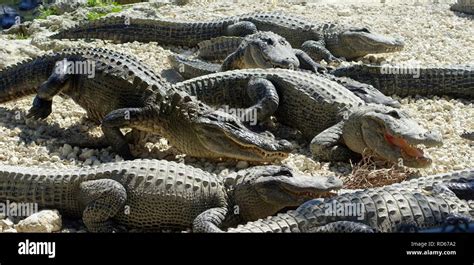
(307, 63)
(42, 104)
(264, 93)
(104, 198)
(210, 220)
(242, 28)
(327, 145)
(111, 125)
(41, 109)
(317, 51)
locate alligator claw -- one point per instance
(41, 109)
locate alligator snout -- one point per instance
(432, 138)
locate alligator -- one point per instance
(454, 81)
(155, 195)
(340, 122)
(118, 91)
(464, 6)
(269, 50)
(425, 201)
(326, 41)
(263, 49)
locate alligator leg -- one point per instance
(210, 221)
(343, 227)
(328, 145)
(44, 98)
(264, 93)
(120, 118)
(241, 29)
(103, 199)
(307, 63)
(318, 51)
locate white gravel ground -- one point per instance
(434, 35)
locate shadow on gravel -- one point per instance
(463, 15)
(40, 131)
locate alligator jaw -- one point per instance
(224, 135)
(392, 135)
(276, 187)
(358, 43)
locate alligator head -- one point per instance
(264, 190)
(201, 131)
(390, 134)
(353, 43)
(266, 49)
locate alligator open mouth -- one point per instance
(407, 150)
(265, 155)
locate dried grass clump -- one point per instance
(371, 173)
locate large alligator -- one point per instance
(118, 91)
(425, 201)
(454, 81)
(158, 194)
(341, 121)
(321, 40)
(269, 50)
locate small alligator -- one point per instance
(118, 91)
(269, 50)
(454, 81)
(320, 40)
(342, 122)
(425, 201)
(263, 49)
(464, 6)
(158, 194)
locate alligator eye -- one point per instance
(364, 30)
(283, 42)
(394, 114)
(358, 90)
(269, 41)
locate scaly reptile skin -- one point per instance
(218, 48)
(158, 194)
(125, 93)
(322, 41)
(316, 106)
(269, 50)
(464, 6)
(423, 201)
(454, 81)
